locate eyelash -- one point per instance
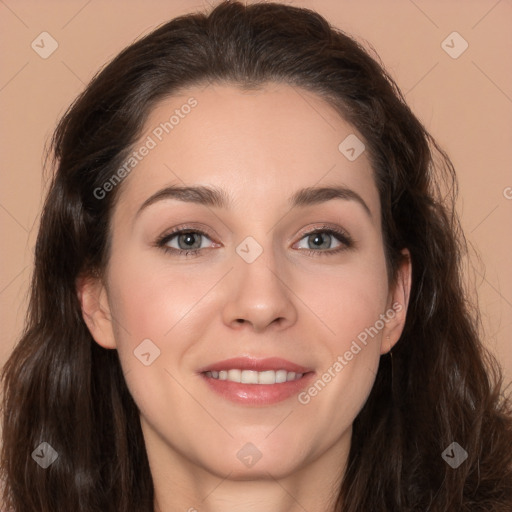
(340, 235)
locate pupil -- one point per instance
(318, 239)
(189, 239)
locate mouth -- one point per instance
(250, 381)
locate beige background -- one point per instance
(465, 102)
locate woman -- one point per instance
(192, 344)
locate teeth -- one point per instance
(268, 377)
(235, 375)
(249, 377)
(281, 376)
(253, 377)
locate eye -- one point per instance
(188, 241)
(322, 238)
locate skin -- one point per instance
(260, 146)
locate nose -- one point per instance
(259, 296)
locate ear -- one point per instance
(92, 295)
(398, 301)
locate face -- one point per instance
(296, 278)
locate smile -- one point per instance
(267, 377)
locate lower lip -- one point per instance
(258, 394)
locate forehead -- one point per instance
(259, 145)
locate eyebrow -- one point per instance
(218, 198)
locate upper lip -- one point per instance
(258, 365)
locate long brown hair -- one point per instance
(439, 386)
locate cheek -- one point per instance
(149, 309)
(346, 299)
(350, 302)
(148, 298)
(152, 299)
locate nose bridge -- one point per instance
(257, 262)
(258, 294)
